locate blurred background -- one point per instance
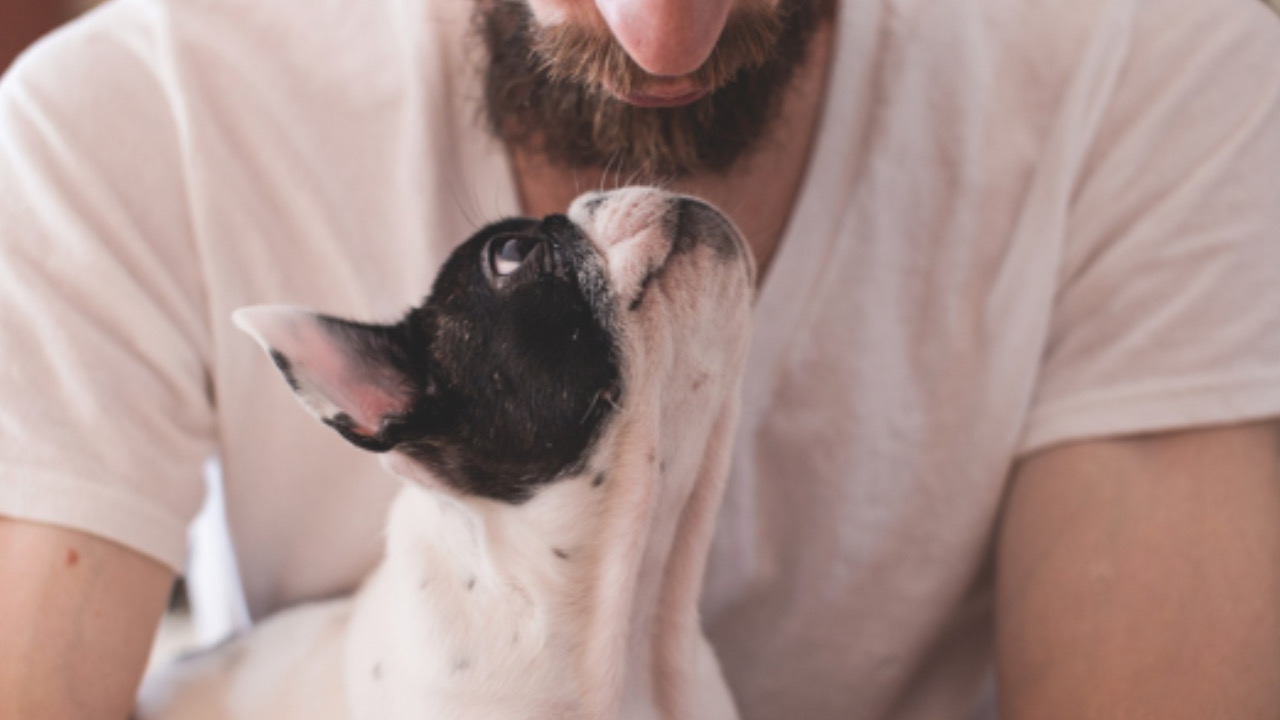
(22, 21)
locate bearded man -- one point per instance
(1008, 433)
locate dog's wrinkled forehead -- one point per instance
(505, 377)
(639, 229)
(685, 221)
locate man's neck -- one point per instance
(758, 194)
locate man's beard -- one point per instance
(544, 91)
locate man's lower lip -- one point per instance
(661, 101)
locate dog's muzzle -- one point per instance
(638, 230)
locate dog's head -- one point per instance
(508, 373)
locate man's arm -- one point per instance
(1140, 578)
(78, 615)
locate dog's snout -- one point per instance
(638, 230)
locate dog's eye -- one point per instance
(507, 253)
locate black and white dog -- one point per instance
(562, 407)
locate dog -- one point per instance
(561, 407)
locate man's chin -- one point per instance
(656, 127)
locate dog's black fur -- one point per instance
(509, 378)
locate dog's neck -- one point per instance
(589, 589)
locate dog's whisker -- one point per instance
(579, 184)
(609, 398)
(603, 394)
(468, 210)
(609, 167)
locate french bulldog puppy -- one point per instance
(561, 408)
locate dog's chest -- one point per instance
(468, 611)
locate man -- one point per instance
(1012, 399)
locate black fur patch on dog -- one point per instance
(503, 371)
(691, 222)
(285, 367)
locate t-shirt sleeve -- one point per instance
(1167, 314)
(105, 409)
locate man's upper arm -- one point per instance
(105, 413)
(80, 613)
(105, 402)
(1140, 578)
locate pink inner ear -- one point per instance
(355, 385)
(332, 376)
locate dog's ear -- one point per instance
(351, 376)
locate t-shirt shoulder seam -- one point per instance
(106, 510)
(1156, 406)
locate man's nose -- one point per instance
(666, 37)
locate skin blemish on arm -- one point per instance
(73, 557)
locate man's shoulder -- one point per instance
(1057, 37)
(1026, 59)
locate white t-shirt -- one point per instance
(1023, 223)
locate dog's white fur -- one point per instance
(578, 604)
